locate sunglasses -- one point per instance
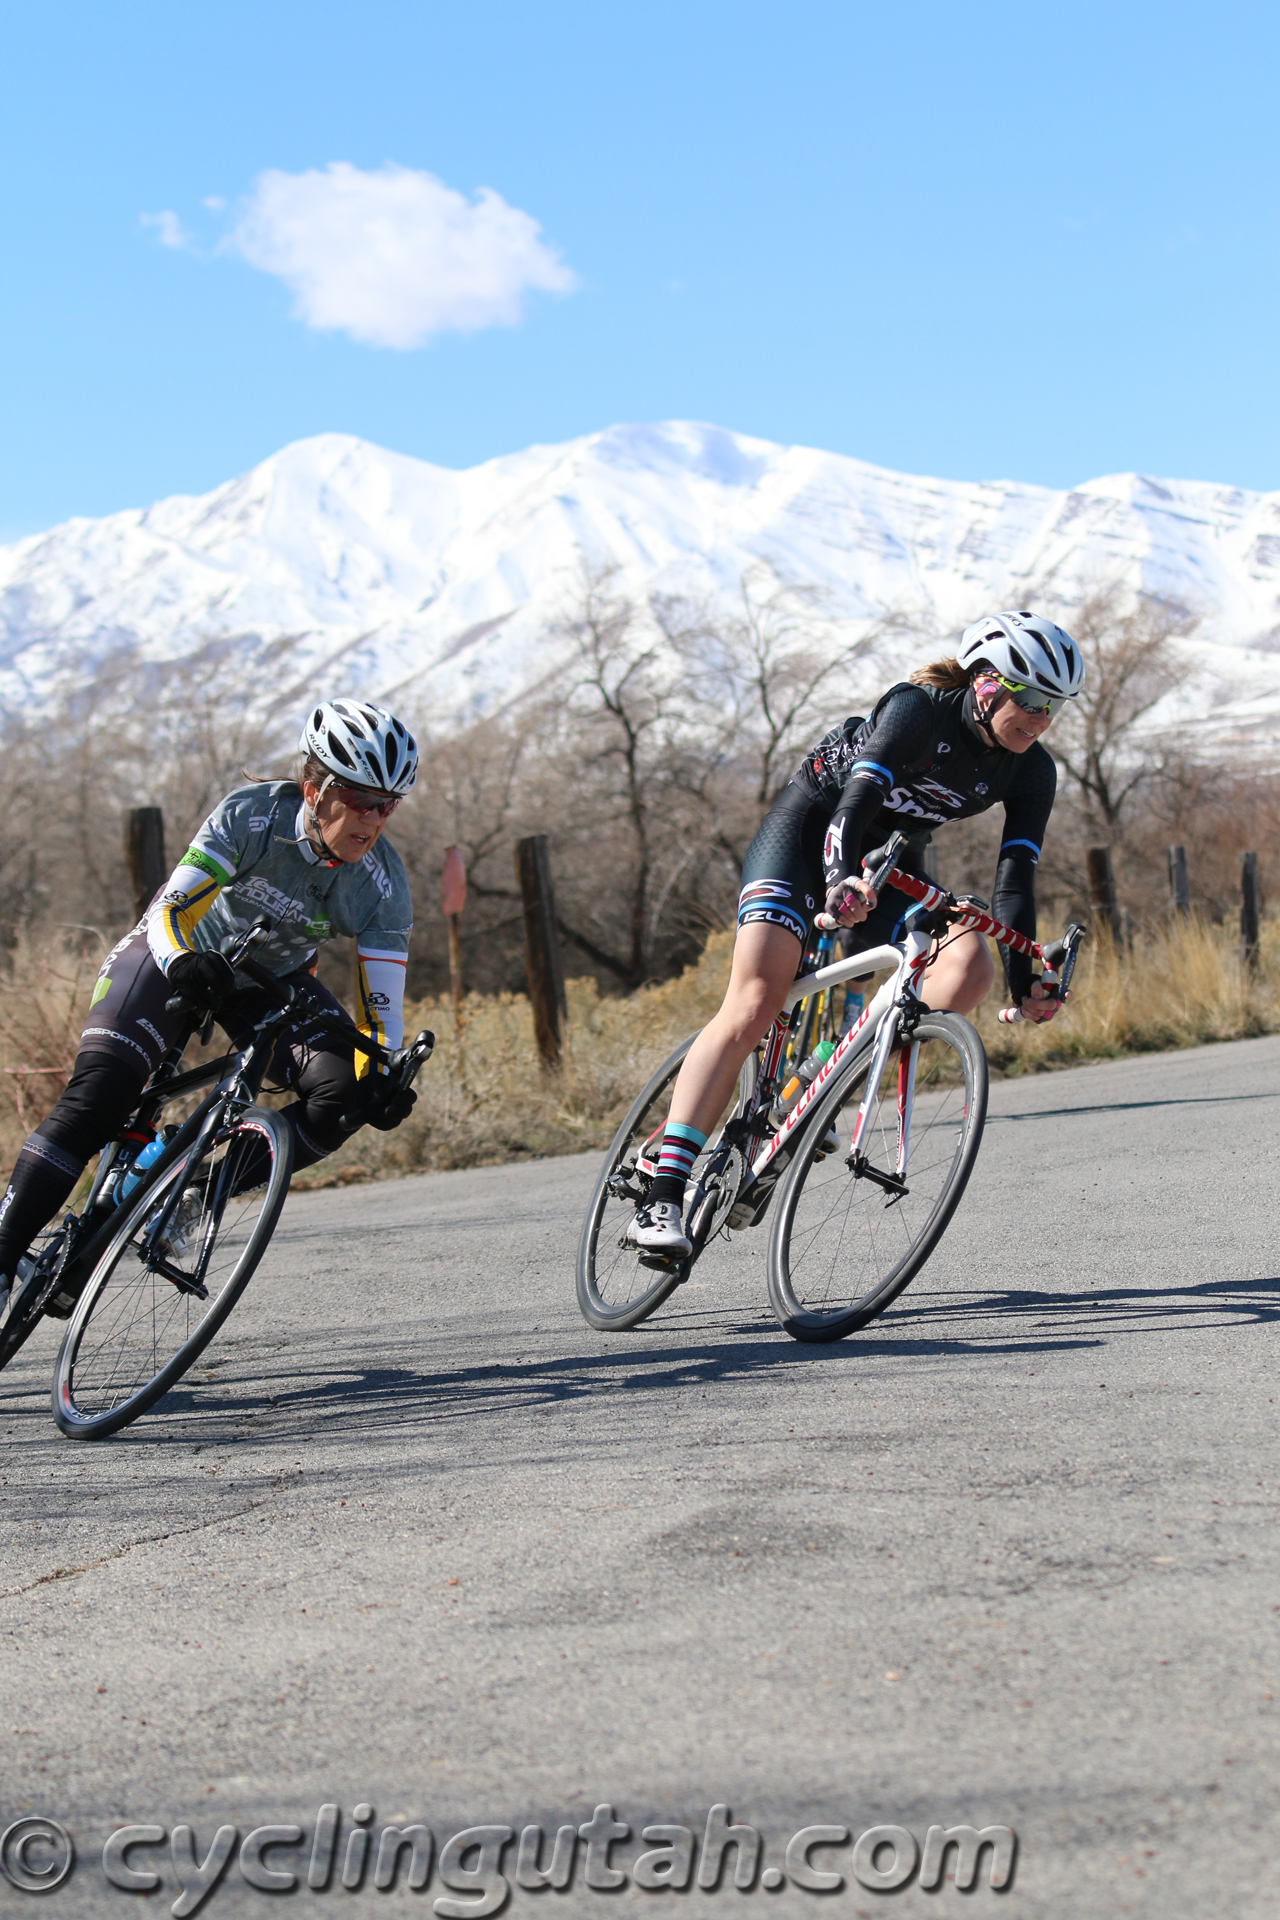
(360, 800)
(1029, 699)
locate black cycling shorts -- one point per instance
(782, 879)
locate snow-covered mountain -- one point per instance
(339, 565)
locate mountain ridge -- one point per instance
(336, 559)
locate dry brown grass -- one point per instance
(1181, 986)
(487, 1100)
(41, 1013)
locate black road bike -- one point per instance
(151, 1267)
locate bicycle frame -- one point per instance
(882, 1016)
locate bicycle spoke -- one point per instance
(168, 1280)
(845, 1245)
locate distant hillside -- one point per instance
(338, 564)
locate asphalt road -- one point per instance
(416, 1540)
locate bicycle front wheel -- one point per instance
(155, 1299)
(844, 1243)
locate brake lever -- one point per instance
(880, 858)
(407, 1063)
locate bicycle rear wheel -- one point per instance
(615, 1290)
(844, 1246)
(151, 1305)
(25, 1309)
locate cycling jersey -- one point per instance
(252, 858)
(916, 763)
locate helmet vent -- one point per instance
(362, 743)
(1019, 662)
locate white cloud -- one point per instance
(169, 229)
(393, 257)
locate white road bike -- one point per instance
(860, 1176)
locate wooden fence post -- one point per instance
(453, 898)
(541, 947)
(1102, 891)
(1249, 911)
(144, 851)
(1177, 857)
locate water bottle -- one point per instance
(134, 1172)
(852, 1012)
(804, 1076)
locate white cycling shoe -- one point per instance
(656, 1228)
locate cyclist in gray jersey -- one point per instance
(306, 854)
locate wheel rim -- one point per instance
(135, 1321)
(848, 1240)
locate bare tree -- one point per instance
(629, 730)
(767, 672)
(1131, 664)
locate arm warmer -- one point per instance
(191, 890)
(380, 1015)
(901, 729)
(1027, 806)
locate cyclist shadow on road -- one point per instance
(369, 1388)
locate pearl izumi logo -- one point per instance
(477, 1868)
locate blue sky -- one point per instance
(1005, 241)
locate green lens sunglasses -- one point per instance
(1031, 700)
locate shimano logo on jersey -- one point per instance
(376, 869)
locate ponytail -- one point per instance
(946, 673)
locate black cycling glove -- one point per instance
(386, 1112)
(206, 978)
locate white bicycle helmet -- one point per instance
(1026, 648)
(361, 743)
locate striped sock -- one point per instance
(680, 1148)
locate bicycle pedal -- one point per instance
(660, 1262)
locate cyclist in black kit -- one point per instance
(958, 737)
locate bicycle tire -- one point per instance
(29, 1302)
(833, 1266)
(615, 1292)
(134, 1332)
